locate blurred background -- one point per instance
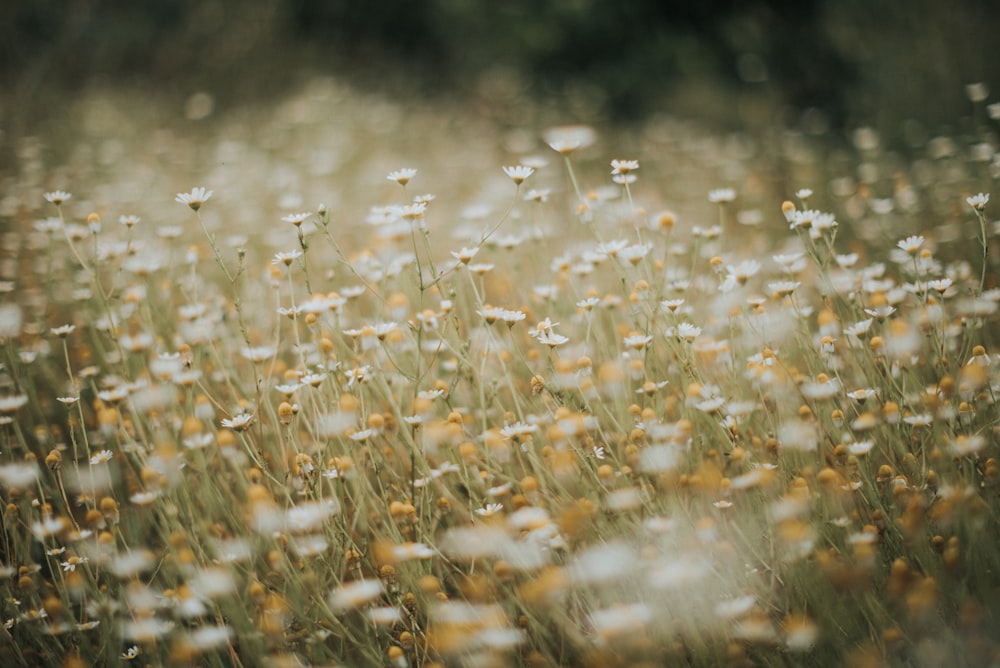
(811, 65)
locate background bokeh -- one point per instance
(810, 64)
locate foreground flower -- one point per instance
(194, 199)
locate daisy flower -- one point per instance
(977, 202)
(518, 174)
(194, 199)
(238, 422)
(721, 195)
(402, 176)
(102, 457)
(623, 166)
(57, 197)
(911, 244)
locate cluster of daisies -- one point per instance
(567, 426)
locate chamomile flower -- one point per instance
(978, 202)
(57, 197)
(194, 199)
(297, 219)
(619, 167)
(102, 457)
(518, 174)
(402, 176)
(721, 195)
(911, 244)
(239, 422)
(569, 138)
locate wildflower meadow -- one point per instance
(345, 382)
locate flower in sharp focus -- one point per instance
(518, 174)
(57, 197)
(194, 199)
(978, 202)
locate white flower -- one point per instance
(685, 332)
(624, 166)
(804, 193)
(742, 272)
(638, 341)
(540, 196)
(63, 330)
(358, 374)
(721, 195)
(238, 422)
(512, 317)
(911, 244)
(671, 305)
(568, 138)
(489, 509)
(102, 457)
(552, 339)
(194, 199)
(129, 221)
(518, 429)
(940, 286)
(466, 254)
(402, 176)
(57, 197)
(518, 174)
(978, 202)
(859, 448)
(363, 435)
(286, 258)
(846, 261)
(297, 219)
(12, 403)
(258, 353)
(73, 562)
(921, 420)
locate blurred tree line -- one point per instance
(731, 61)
